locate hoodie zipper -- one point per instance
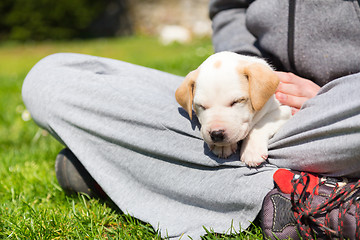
(291, 34)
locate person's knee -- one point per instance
(36, 90)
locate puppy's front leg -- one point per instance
(254, 148)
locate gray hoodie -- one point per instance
(318, 40)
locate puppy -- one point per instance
(233, 98)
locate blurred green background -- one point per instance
(64, 19)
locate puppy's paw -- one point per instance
(223, 151)
(254, 154)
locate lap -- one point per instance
(124, 125)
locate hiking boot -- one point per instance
(74, 178)
(307, 206)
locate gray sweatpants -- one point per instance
(124, 125)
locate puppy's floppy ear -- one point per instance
(185, 93)
(262, 83)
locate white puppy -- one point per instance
(233, 98)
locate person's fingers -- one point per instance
(291, 84)
(290, 100)
(294, 91)
(289, 89)
(286, 77)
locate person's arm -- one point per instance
(229, 27)
(294, 91)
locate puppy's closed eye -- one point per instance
(200, 106)
(237, 101)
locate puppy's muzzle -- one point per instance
(217, 135)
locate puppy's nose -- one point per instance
(217, 136)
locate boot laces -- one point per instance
(307, 217)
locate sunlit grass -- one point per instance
(144, 51)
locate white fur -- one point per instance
(217, 88)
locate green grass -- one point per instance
(32, 204)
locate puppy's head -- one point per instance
(226, 91)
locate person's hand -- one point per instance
(294, 90)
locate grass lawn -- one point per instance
(32, 204)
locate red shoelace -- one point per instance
(307, 217)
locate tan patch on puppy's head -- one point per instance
(217, 64)
(262, 82)
(185, 93)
